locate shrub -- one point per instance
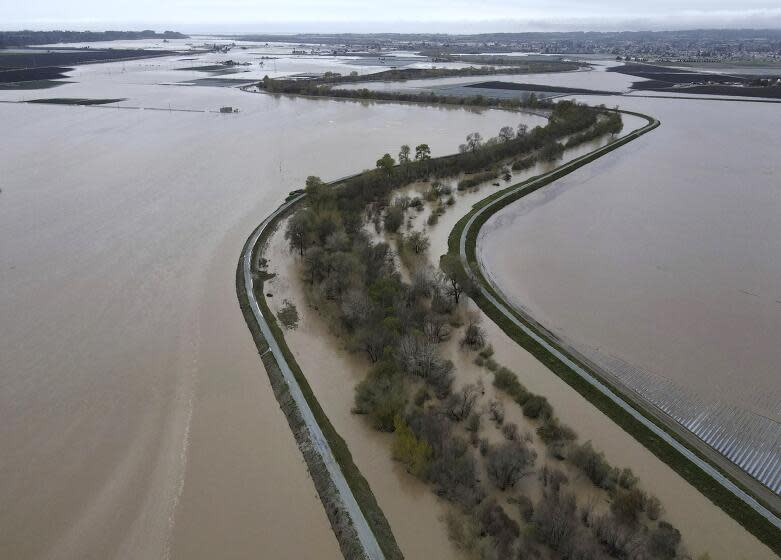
(525, 507)
(555, 519)
(381, 396)
(496, 412)
(663, 541)
(474, 337)
(552, 431)
(461, 531)
(510, 431)
(627, 479)
(459, 405)
(537, 406)
(476, 179)
(418, 242)
(496, 524)
(454, 473)
(507, 381)
(394, 217)
(421, 396)
(507, 463)
(288, 315)
(592, 463)
(473, 423)
(627, 505)
(409, 450)
(653, 508)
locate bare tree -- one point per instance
(510, 431)
(436, 327)
(653, 508)
(373, 341)
(474, 336)
(461, 403)
(496, 412)
(356, 306)
(555, 518)
(506, 133)
(508, 462)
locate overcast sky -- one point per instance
(391, 15)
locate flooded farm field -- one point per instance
(137, 421)
(661, 262)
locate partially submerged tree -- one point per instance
(418, 242)
(381, 396)
(460, 404)
(474, 336)
(298, 232)
(506, 133)
(508, 462)
(394, 217)
(474, 141)
(456, 277)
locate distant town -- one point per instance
(727, 46)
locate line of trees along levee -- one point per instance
(27, 37)
(409, 389)
(323, 86)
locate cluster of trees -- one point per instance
(403, 74)
(630, 529)
(608, 123)
(374, 187)
(27, 37)
(409, 390)
(323, 87)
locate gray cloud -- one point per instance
(461, 16)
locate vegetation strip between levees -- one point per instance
(371, 529)
(670, 447)
(717, 486)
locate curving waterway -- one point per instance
(136, 420)
(661, 263)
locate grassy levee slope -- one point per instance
(739, 510)
(358, 484)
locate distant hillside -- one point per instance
(25, 38)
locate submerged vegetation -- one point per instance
(410, 390)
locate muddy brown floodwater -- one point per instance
(333, 373)
(661, 262)
(136, 420)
